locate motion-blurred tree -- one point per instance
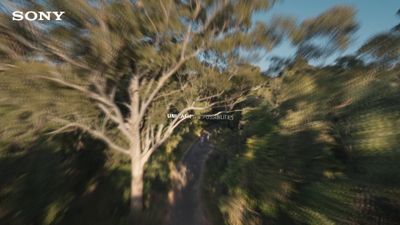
(384, 47)
(114, 69)
(322, 149)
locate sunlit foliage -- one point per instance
(326, 153)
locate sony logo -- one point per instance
(32, 15)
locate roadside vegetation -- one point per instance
(85, 137)
(322, 147)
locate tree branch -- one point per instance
(95, 133)
(64, 57)
(163, 134)
(104, 102)
(161, 83)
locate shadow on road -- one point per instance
(186, 207)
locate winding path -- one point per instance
(187, 208)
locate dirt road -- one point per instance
(187, 208)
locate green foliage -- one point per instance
(324, 154)
(62, 180)
(72, 179)
(310, 154)
(102, 46)
(319, 36)
(28, 103)
(384, 46)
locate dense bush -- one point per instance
(72, 179)
(322, 149)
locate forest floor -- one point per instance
(187, 207)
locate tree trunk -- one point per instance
(137, 167)
(136, 205)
